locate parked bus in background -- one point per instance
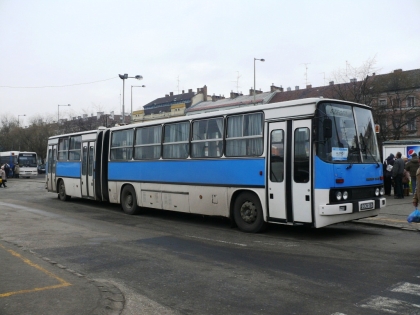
(308, 162)
(27, 162)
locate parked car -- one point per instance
(41, 169)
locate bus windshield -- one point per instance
(27, 160)
(353, 138)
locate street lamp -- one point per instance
(254, 74)
(131, 119)
(18, 118)
(124, 77)
(58, 115)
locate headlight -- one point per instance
(345, 195)
(338, 195)
(377, 192)
(382, 191)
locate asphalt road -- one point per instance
(174, 263)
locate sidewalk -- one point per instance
(30, 283)
(395, 214)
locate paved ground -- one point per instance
(23, 271)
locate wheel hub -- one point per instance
(248, 212)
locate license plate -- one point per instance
(366, 206)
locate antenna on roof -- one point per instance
(324, 78)
(306, 73)
(237, 82)
(178, 84)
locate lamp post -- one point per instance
(131, 119)
(58, 112)
(254, 74)
(18, 118)
(124, 77)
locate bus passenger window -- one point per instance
(277, 156)
(301, 156)
(175, 143)
(244, 135)
(122, 145)
(206, 138)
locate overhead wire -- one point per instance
(53, 86)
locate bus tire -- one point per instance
(129, 200)
(248, 213)
(62, 191)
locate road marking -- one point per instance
(408, 288)
(218, 241)
(392, 306)
(62, 283)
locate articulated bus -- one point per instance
(27, 162)
(308, 162)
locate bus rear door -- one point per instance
(52, 163)
(87, 182)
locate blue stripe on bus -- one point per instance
(68, 169)
(226, 172)
(356, 175)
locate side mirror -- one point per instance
(327, 131)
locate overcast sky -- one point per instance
(50, 49)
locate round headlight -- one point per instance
(338, 195)
(382, 192)
(345, 195)
(377, 192)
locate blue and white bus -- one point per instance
(27, 161)
(308, 162)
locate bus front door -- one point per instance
(52, 163)
(289, 172)
(87, 182)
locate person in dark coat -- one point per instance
(397, 175)
(412, 167)
(388, 174)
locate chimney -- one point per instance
(189, 90)
(297, 87)
(233, 95)
(309, 86)
(166, 95)
(289, 89)
(182, 91)
(354, 80)
(398, 70)
(276, 88)
(171, 93)
(331, 82)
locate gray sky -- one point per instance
(49, 48)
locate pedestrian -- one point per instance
(416, 196)
(7, 170)
(3, 176)
(397, 175)
(412, 167)
(16, 170)
(388, 165)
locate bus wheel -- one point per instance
(62, 191)
(248, 213)
(129, 200)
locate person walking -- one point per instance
(3, 176)
(412, 167)
(388, 165)
(397, 174)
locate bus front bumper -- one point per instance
(352, 207)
